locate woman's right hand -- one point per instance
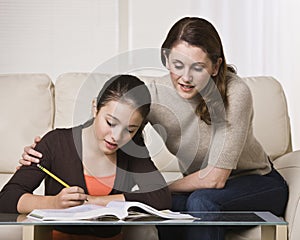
(30, 155)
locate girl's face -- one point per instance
(190, 69)
(115, 125)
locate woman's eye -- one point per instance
(177, 65)
(198, 68)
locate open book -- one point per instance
(117, 209)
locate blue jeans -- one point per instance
(245, 193)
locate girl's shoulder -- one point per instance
(58, 135)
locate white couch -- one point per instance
(31, 105)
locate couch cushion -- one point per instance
(26, 111)
(271, 119)
(74, 93)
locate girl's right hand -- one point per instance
(30, 155)
(69, 197)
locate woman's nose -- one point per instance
(187, 76)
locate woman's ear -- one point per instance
(94, 107)
(217, 67)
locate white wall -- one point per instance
(54, 36)
(259, 37)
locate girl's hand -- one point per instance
(69, 197)
(30, 155)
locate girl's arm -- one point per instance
(152, 188)
(68, 197)
(104, 200)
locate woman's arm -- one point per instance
(209, 177)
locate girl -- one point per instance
(98, 159)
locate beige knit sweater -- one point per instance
(194, 143)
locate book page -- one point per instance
(85, 211)
(162, 213)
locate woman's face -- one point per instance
(115, 125)
(190, 69)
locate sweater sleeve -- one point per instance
(229, 140)
(24, 180)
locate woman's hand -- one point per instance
(209, 177)
(30, 155)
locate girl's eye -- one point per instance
(128, 131)
(109, 123)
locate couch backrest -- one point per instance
(74, 93)
(27, 109)
(271, 119)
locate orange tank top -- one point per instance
(97, 186)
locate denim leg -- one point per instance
(244, 193)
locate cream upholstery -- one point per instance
(27, 110)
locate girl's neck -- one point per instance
(96, 162)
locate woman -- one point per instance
(206, 113)
(98, 159)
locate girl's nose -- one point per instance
(116, 134)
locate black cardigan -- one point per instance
(62, 151)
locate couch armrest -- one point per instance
(289, 167)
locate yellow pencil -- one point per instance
(53, 176)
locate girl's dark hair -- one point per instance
(201, 33)
(130, 90)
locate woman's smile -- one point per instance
(186, 87)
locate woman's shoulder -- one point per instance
(239, 94)
(236, 84)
